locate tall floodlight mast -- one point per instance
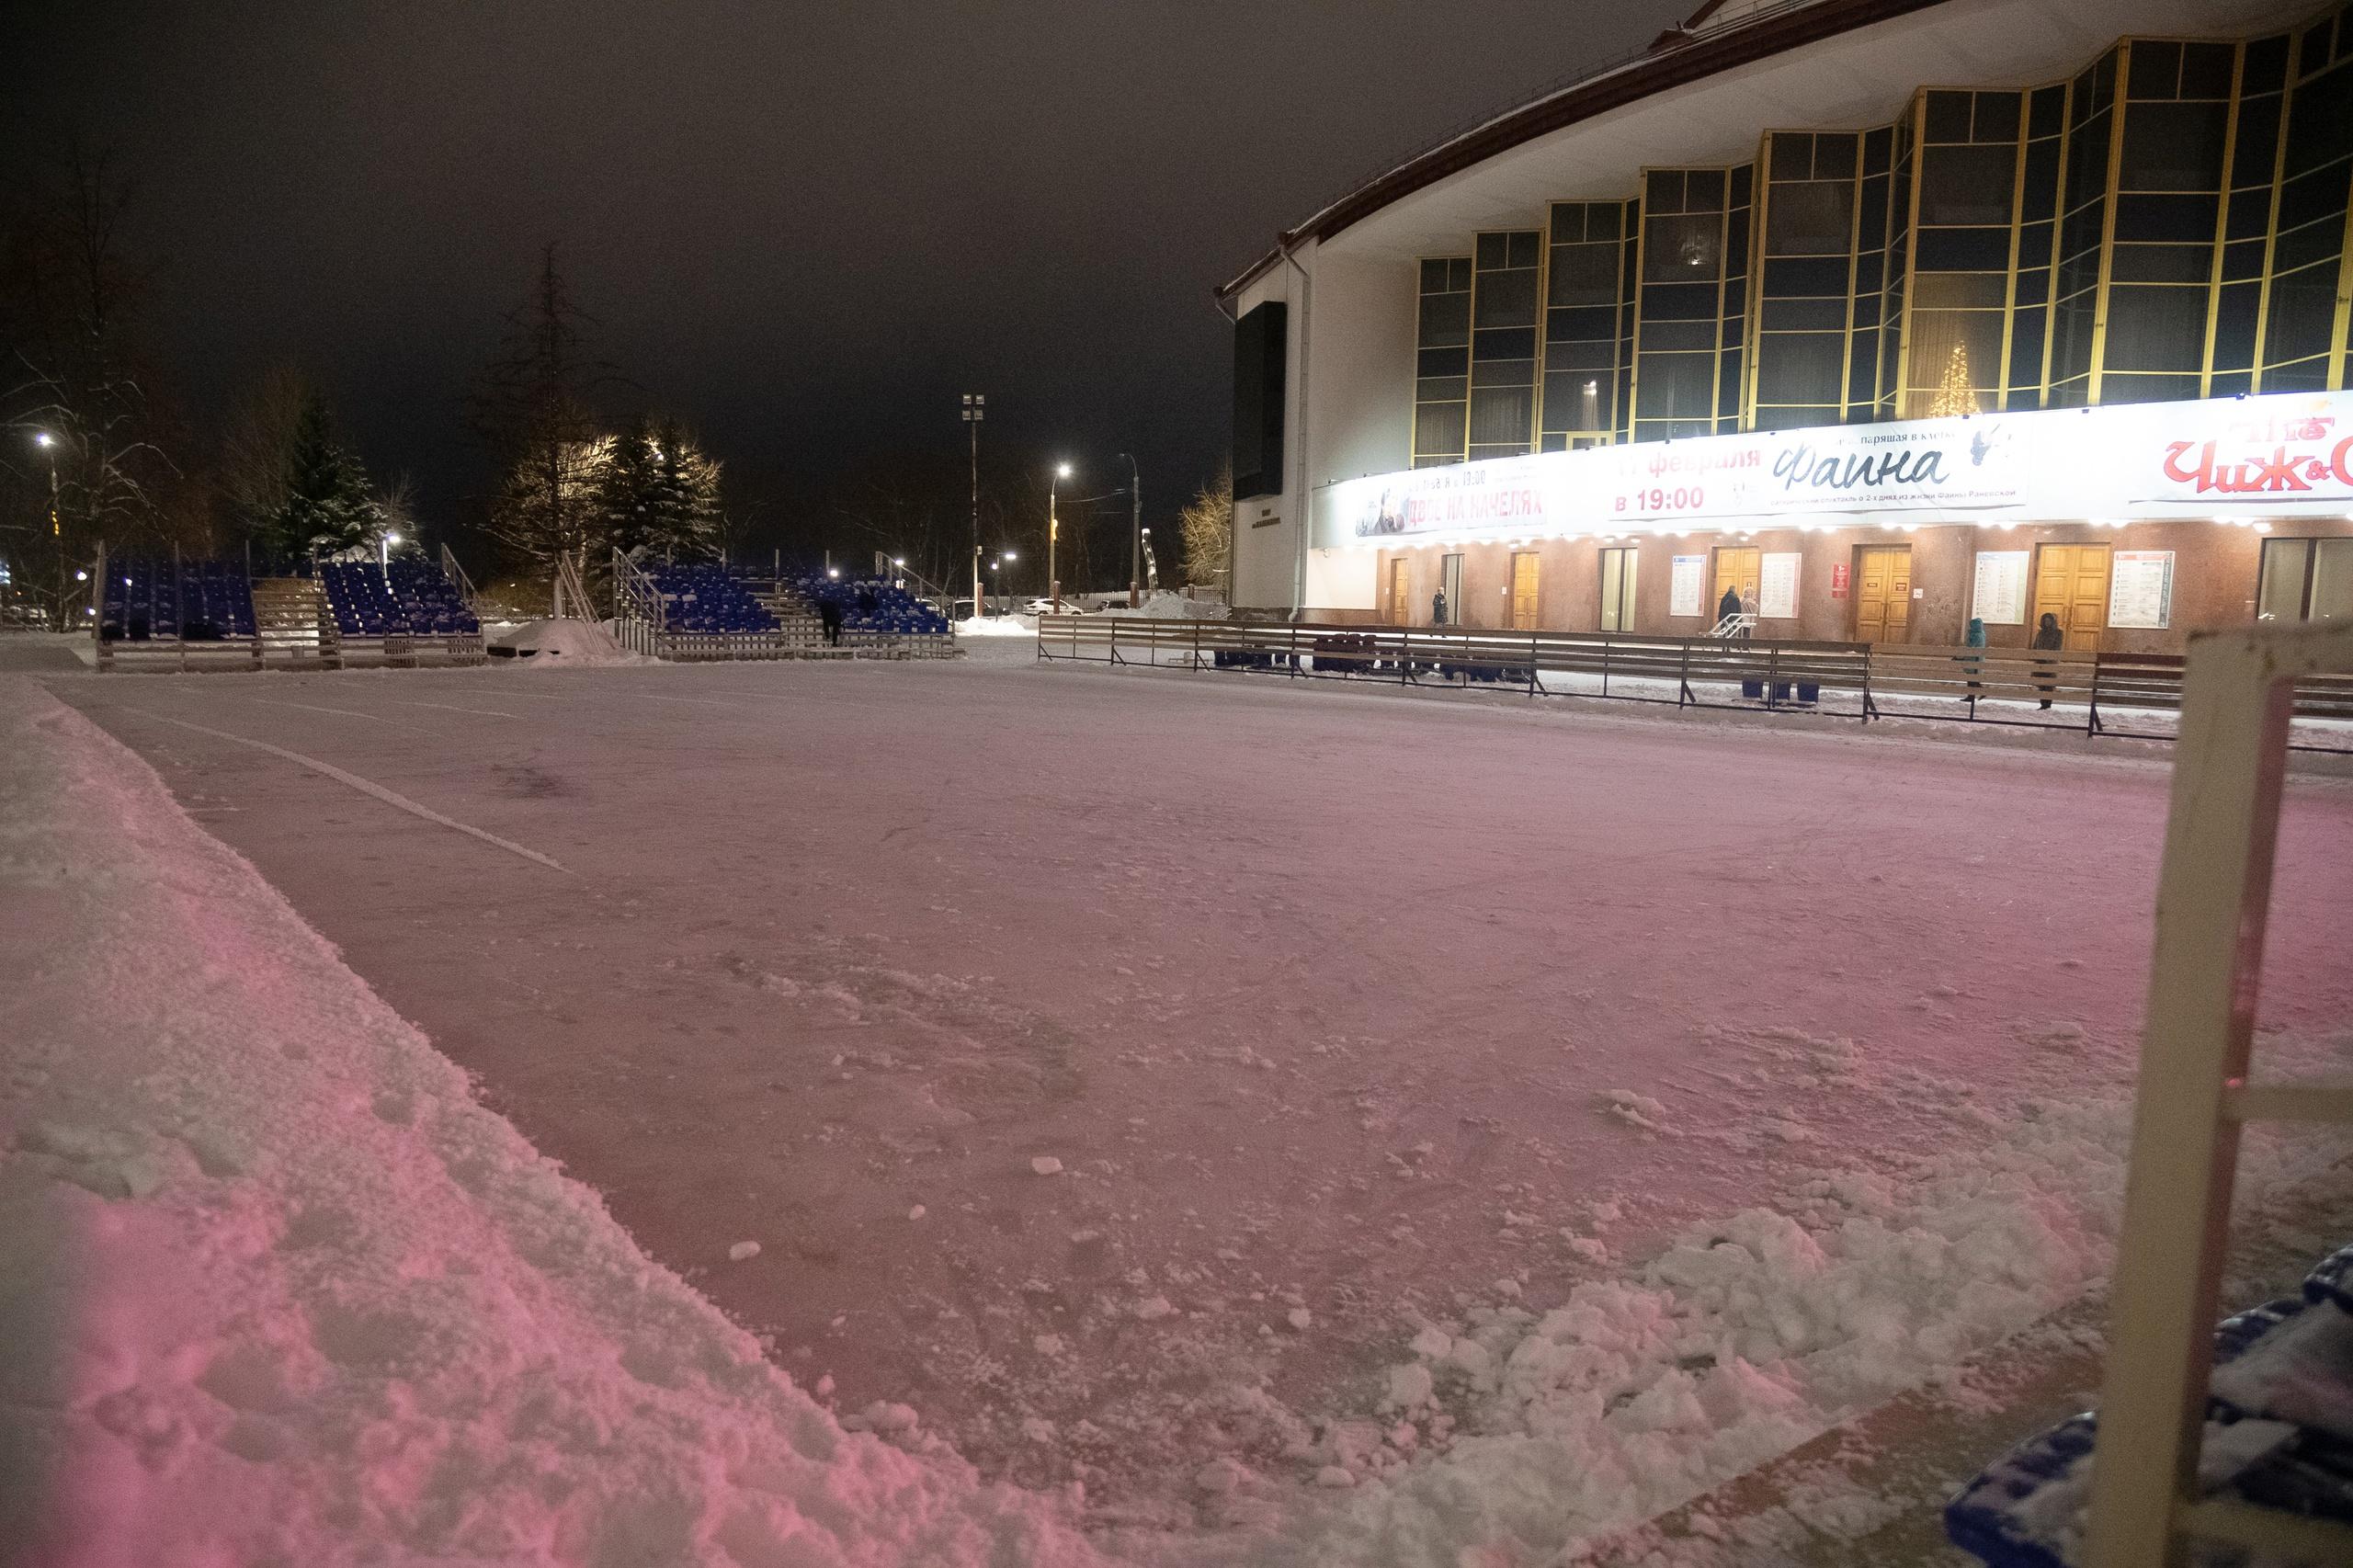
(1135, 533)
(975, 410)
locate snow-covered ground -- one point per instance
(277, 1288)
(1336, 1128)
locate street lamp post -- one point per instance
(1135, 534)
(975, 410)
(1053, 531)
(384, 543)
(47, 443)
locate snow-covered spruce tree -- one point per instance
(657, 494)
(327, 507)
(684, 523)
(625, 487)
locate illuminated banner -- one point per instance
(2272, 456)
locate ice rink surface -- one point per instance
(1075, 1045)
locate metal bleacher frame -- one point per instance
(2214, 894)
(642, 625)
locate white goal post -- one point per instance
(2214, 894)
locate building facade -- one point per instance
(1883, 314)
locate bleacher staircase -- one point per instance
(292, 621)
(796, 618)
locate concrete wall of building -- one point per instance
(1341, 579)
(2215, 567)
(1361, 385)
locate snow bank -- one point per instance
(997, 626)
(279, 1289)
(567, 643)
(1744, 1338)
(1166, 606)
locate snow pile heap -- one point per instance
(997, 626)
(1747, 1337)
(1166, 606)
(279, 1290)
(568, 643)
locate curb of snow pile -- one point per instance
(279, 1290)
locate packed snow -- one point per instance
(280, 1290)
(571, 643)
(998, 626)
(1300, 1181)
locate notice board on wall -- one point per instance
(1686, 583)
(2140, 588)
(1776, 586)
(2000, 595)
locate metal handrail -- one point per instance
(640, 620)
(456, 575)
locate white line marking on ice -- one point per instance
(698, 701)
(367, 787)
(453, 708)
(313, 707)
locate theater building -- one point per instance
(1879, 314)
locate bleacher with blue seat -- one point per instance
(895, 612)
(411, 598)
(707, 597)
(2276, 1434)
(198, 601)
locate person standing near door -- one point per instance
(1437, 608)
(2048, 639)
(1727, 607)
(1748, 614)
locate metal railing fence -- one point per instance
(2094, 694)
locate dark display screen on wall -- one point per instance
(1258, 402)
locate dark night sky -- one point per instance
(805, 228)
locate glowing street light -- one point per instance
(48, 443)
(1053, 531)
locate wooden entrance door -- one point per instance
(1738, 567)
(1400, 608)
(2071, 582)
(1883, 594)
(1523, 590)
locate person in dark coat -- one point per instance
(2048, 639)
(830, 614)
(1729, 606)
(866, 599)
(1974, 664)
(1437, 608)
